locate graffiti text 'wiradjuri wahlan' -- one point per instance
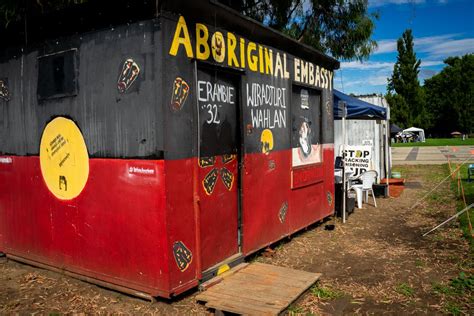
(268, 107)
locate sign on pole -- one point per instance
(358, 159)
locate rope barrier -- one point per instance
(460, 192)
(449, 219)
(468, 215)
(442, 181)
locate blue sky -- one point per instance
(441, 28)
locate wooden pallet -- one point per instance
(258, 289)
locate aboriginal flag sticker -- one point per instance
(64, 159)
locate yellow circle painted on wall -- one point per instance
(64, 159)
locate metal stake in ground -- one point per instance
(451, 218)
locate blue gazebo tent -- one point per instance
(357, 109)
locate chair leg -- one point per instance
(359, 197)
(373, 195)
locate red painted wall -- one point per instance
(266, 183)
(115, 230)
(267, 187)
(218, 213)
(124, 225)
(181, 221)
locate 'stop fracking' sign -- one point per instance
(358, 159)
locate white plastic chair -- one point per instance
(368, 178)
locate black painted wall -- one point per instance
(157, 115)
(114, 124)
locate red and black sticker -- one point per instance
(4, 91)
(283, 211)
(128, 75)
(329, 197)
(271, 165)
(227, 178)
(226, 158)
(182, 255)
(179, 95)
(209, 182)
(207, 161)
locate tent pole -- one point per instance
(344, 162)
(387, 152)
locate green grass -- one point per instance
(325, 293)
(453, 309)
(469, 194)
(457, 293)
(438, 142)
(442, 289)
(405, 290)
(295, 310)
(463, 283)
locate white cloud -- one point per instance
(390, 45)
(430, 63)
(366, 65)
(379, 3)
(378, 80)
(431, 40)
(448, 48)
(371, 76)
(386, 46)
(435, 47)
(383, 66)
(369, 81)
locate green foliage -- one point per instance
(450, 96)
(405, 95)
(469, 195)
(463, 283)
(443, 105)
(14, 10)
(453, 309)
(439, 288)
(339, 27)
(457, 290)
(405, 290)
(325, 293)
(399, 110)
(8, 11)
(296, 310)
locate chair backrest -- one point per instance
(338, 163)
(368, 179)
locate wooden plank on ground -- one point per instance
(258, 289)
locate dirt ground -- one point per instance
(376, 263)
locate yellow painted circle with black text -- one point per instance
(64, 159)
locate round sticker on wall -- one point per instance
(64, 159)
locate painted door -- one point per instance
(218, 159)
